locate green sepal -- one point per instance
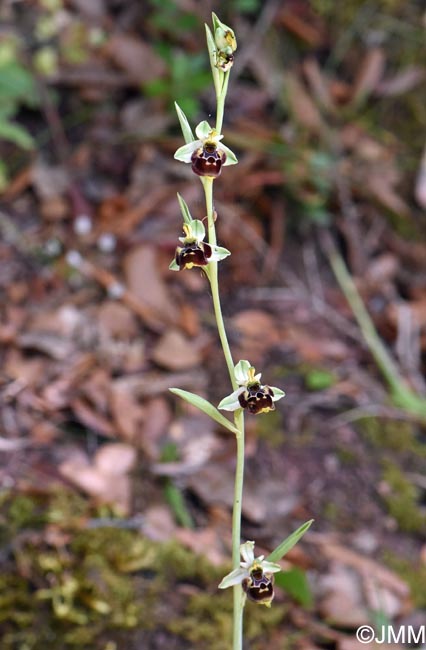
(231, 158)
(184, 209)
(173, 266)
(205, 406)
(234, 578)
(184, 153)
(285, 546)
(198, 230)
(203, 130)
(278, 393)
(184, 125)
(241, 370)
(230, 402)
(219, 253)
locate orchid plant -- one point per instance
(252, 578)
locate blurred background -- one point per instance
(115, 501)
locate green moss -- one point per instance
(72, 585)
(394, 435)
(207, 622)
(332, 512)
(402, 500)
(346, 455)
(414, 576)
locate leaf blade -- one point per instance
(205, 406)
(286, 545)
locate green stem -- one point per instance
(214, 281)
(238, 419)
(236, 531)
(221, 102)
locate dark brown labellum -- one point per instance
(193, 254)
(259, 587)
(257, 399)
(208, 160)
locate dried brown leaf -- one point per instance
(176, 352)
(158, 418)
(126, 411)
(116, 321)
(92, 419)
(257, 333)
(369, 74)
(145, 283)
(114, 459)
(301, 104)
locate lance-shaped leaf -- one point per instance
(288, 543)
(184, 209)
(207, 408)
(184, 125)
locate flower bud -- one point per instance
(224, 37)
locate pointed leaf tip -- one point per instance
(184, 209)
(286, 545)
(184, 125)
